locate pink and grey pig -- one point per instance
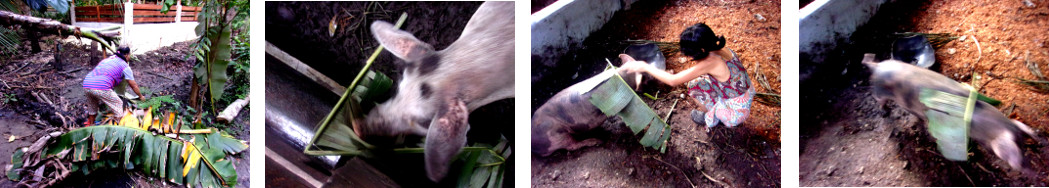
(902, 82)
(566, 114)
(438, 89)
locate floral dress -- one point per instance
(727, 102)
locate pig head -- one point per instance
(438, 89)
(902, 83)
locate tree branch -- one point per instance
(48, 26)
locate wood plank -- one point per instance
(306, 70)
(102, 7)
(153, 19)
(149, 7)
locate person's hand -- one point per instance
(632, 65)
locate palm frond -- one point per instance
(949, 117)
(92, 148)
(614, 97)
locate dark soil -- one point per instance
(847, 140)
(804, 3)
(748, 155)
(301, 30)
(538, 5)
(166, 71)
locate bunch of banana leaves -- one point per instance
(614, 97)
(949, 120)
(157, 146)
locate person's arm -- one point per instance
(661, 75)
(134, 87)
(673, 79)
(130, 77)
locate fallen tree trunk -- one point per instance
(232, 110)
(48, 26)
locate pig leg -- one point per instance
(882, 95)
(446, 137)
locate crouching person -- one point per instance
(98, 85)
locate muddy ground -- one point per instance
(847, 140)
(166, 71)
(301, 30)
(745, 156)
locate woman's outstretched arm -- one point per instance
(661, 75)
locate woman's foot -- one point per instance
(697, 117)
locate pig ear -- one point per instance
(446, 137)
(401, 43)
(1004, 146)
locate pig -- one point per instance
(438, 89)
(568, 113)
(901, 82)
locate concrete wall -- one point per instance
(823, 23)
(147, 37)
(562, 26)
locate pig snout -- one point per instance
(384, 125)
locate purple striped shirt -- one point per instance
(108, 73)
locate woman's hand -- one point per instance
(632, 65)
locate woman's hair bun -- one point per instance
(697, 41)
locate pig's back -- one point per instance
(908, 77)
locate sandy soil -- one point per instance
(847, 141)
(166, 71)
(744, 156)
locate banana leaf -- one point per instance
(215, 53)
(484, 167)
(16, 161)
(614, 97)
(334, 135)
(338, 138)
(949, 118)
(110, 146)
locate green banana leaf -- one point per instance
(16, 161)
(156, 102)
(338, 138)
(335, 135)
(95, 147)
(614, 97)
(949, 118)
(484, 167)
(216, 55)
(988, 100)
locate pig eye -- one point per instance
(426, 90)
